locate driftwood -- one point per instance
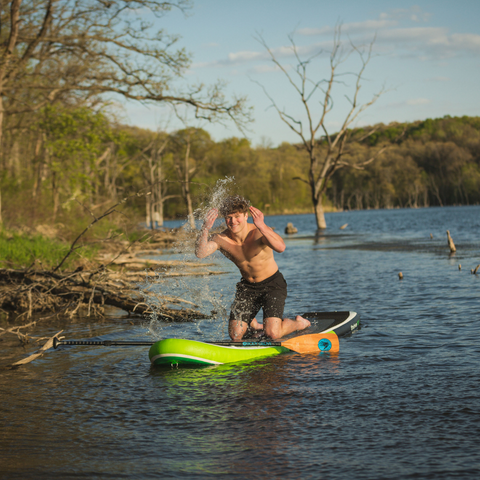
(38, 353)
(451, 245)
(134, 261)
(27, 292)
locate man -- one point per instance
(251, 248)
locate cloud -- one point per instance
(390, 37)
(385, 20)
(368, 26)
(434, 42)
(248, 56)
(414, 13)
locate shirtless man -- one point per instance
(251, 248)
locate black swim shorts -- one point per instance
(269, 294)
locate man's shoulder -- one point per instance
(220, 236)
(255, 233)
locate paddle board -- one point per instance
(182, 352)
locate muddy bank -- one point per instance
(113, 280)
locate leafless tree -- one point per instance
(191, 146)
(327, 152)
(154, 177)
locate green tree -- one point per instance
(74, 143)
(58, 50)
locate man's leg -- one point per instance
(255, 325)
(237, 329)
(277, 328)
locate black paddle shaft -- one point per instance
(113, 343)
(105, 343)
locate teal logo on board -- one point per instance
(324, 345)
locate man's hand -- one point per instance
(269, 237)
(210, 219)
(257, 217)
(203, 246)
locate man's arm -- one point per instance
(270, 238)
(203, 246)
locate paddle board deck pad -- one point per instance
(340, 323)
(181, 352)
(177, 351)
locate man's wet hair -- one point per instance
(234, 204)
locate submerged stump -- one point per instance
(451, 245)
(290, 229)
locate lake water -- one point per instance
(400, 401)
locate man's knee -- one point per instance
(237, 329)
(273, 327)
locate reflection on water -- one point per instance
(400, 399)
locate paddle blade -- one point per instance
(317, 342)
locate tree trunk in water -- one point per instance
(191, 218)
(160, 213)
(159, 192)
(320, 215)
(186, 190)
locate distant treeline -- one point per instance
(435, 162)
(74, 159)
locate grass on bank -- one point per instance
(21, 250)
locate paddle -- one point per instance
(317, 342)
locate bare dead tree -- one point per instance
(155, 181)
(327, 152)
(187, 172)
(191, 146)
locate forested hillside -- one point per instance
(433, 162)
(69, 157)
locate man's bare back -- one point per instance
(251, 248)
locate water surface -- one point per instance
(400, 400)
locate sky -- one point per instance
(425, 60)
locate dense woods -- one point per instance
(78, 156)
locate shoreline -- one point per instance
(329, 211)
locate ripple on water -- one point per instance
(399, 400)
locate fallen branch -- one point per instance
(38, 353)
(39, 291)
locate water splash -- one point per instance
(214, 199)
(202, 292)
